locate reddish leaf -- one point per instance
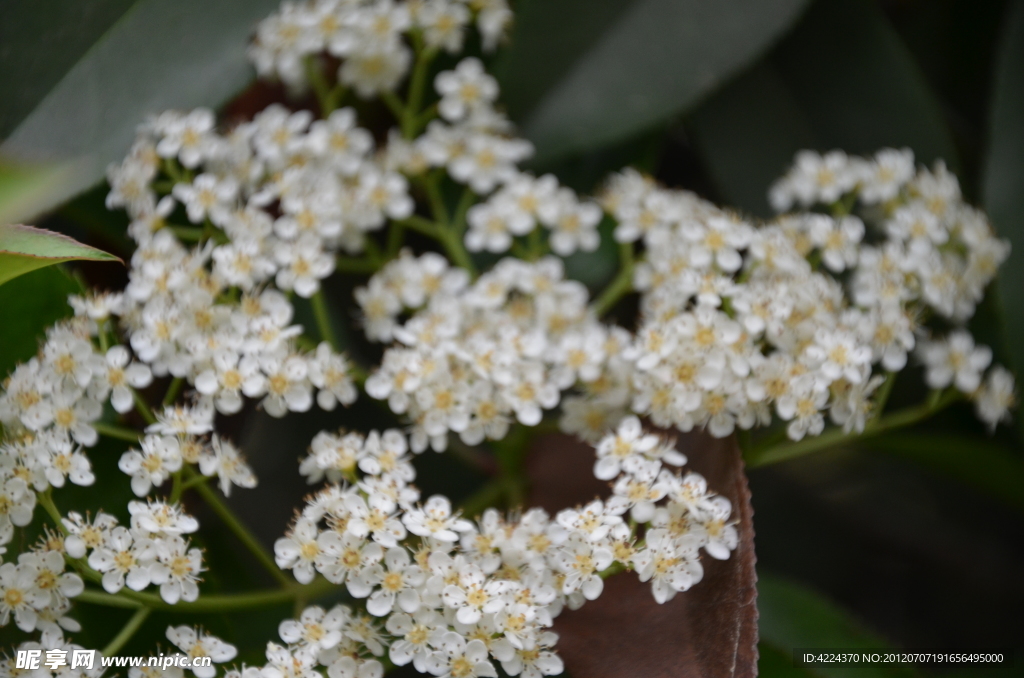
(708, 632)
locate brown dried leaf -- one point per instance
(709, 631)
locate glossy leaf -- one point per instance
(42, 40)
(25, 248)
(28, 189)
(1004, 169)
(983, 464)
(842, 79)
(601, 72)
(793, 616)
(29, 305)
(160, 54)
(708, 631)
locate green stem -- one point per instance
(241, 531)
(173, 390)
(209, 603)
(315, 75)
(355, 265)
(437, 206)
(417, 85)
(45, 500)
(487, 496)
(323, 319)
(883, 394)
(614, 568)
(115, 431)
(126, 633)
(143, 408)
(835, 436)
(176, 488)
(187, 233)
(394, 104)
(465, 202)
(452, 243)
(621, 285)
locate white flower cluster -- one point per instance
(454, 594)
(800, 318)
(178, 437)
(36, 591)
(475, 357)
(151, 550)
(367, 36)
(805, 314)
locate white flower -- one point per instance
(455, 658)
(187, 137)
(573, 223)
(123, 560)
(19, 596)
(374, 517)
(614, 450)
(303, 265)
(582, 562)
(955, 360)
(316, 629)
(223, 460)
(157, 519)
(66, 461)
(196, 643)
(464, 89)
(117, 376)
(802, 406)
(177, 570)
(996, 397)
(670, 565)
(415, 634)
(398, 581)
(838, 355)
(347, 559)
(207, 196)
(886, 175)
(84, 535)
(299, 550)
(46, 570)
(228, 377)
(377, 67)
(593, 522)
(435, 520)
(159, 457)
(288, 386)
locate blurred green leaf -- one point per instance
(28, 189)
(25, 248)
(842, 79)
(978, 462)
(41, 40)
(30, 304)
(600, 72)
(774, 663)
(793, 616)
(159, 54)
(1004, 172)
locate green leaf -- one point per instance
(42, 39)
(603, 71)
(30, 304)
(26, 190)
(842, 79)
(25, 248)
(1004, 172)
(159, 54)
(981, 463)
(793, 616)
